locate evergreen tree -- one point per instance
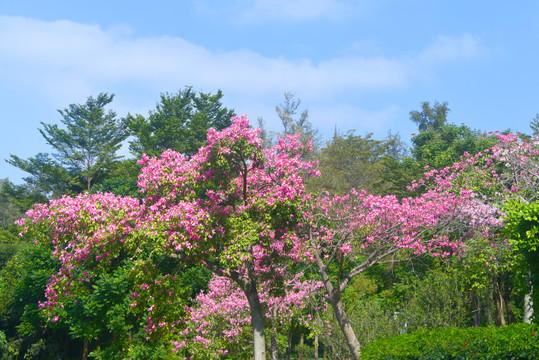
(180, 122)
(534, 124)
(86, 148)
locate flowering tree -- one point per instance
(233, 207)
(507, 176)
(219, 320)
(359, 230)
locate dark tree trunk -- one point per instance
(476, 303)
(289, 348)
(507, 295)
(274, 347)
(85, 349)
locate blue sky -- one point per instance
(359, 65)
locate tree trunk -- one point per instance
(301, 343)
(316, 347)
(274, 347)
(338, 309)
(85, 349)
(507, 295)
(346, 327)
(528, 309)
(476, 303)
(289, 348)
(257, 321)
(498, 301)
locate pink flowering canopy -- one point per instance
(219, 320)
(231, 204)
(233, 207)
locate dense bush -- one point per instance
(519, 341)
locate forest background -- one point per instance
(387, 298)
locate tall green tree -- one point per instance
(353, 161)
(294, 124)
(86, 146)
(534, 124)
(179, 122)
(46, 174)
(437, 145)
(441, 147)
(430, 118)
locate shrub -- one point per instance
(513, 342)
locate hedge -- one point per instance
(512, 342)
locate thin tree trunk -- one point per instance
(528, 309)
(346, 327)
(301, 343)
(257, 321)
(274, 347)
(338, 309)
(289, 348)
(498, 301)
(316, 347)
(85, 349)
(507, 295)
(477, 310)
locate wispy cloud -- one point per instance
(448, 49)
(62, 51)
(301, 10)
(289, 11)
(64, 60)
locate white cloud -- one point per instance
(451, 49)
(63, 60)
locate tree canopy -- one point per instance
(179, 122)
(86, 148)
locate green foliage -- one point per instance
(442, 146)
(436, 300)
(119, 185)
(180, 122)
(430, 118)
(193, 280)
(47, 174)
(3, 345)
(353, 161)
(86, 148)
(522, 228)
(22, 285)
(534, 124)
(296, 125)
(519, 341)
(15, 200)
(8, 246)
